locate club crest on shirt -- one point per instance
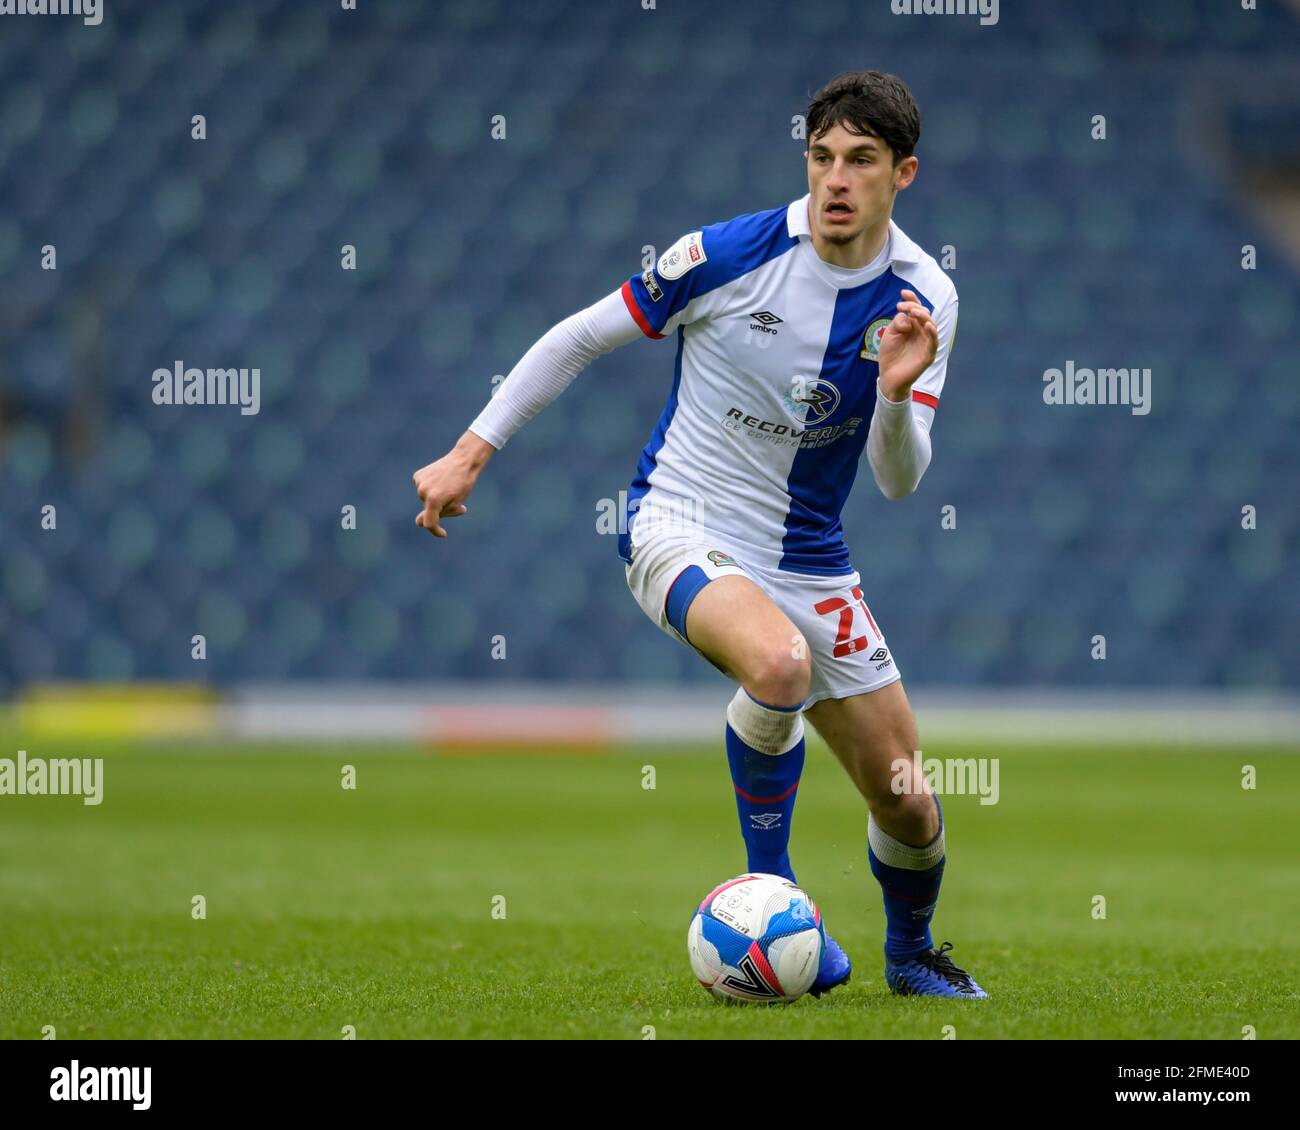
(686, 253)
(871, 340)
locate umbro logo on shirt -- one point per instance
(763, 321)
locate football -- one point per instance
(756, 938)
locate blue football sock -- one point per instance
(910, 878)
(765, 749)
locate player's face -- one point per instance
(853, 180)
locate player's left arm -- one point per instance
(913, 365)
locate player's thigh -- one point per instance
(869, 733)
(743, 631)
(698, 593)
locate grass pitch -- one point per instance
(374, 907)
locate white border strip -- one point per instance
(507, 713)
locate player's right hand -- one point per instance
(444, 484)
(441, 486)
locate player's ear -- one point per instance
(905, 172)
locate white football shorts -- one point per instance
(849, 652)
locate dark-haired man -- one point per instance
(803, 334)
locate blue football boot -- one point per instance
(931, 974)
(834, 969)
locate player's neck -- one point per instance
(857, 253)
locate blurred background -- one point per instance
(624, 128)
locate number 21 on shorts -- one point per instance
(845, 642)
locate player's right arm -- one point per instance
(544, 372)
(651, 304)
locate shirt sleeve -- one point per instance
(548, 368)
(929, 385)
(663, 296)
(898, 444)
(898, 441)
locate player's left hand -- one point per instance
(907, 347)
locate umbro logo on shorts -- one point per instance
(877, 655)
(766, 318)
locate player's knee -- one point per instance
(910, 814)
(780, 676)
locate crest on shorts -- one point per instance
(871, 340)
(722, 560)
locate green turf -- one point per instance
(373, 907)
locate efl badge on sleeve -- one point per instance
(682, 256)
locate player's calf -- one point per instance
(765, 752)
(736, 625)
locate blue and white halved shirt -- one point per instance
(774, 381)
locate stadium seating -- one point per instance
(625, 128)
